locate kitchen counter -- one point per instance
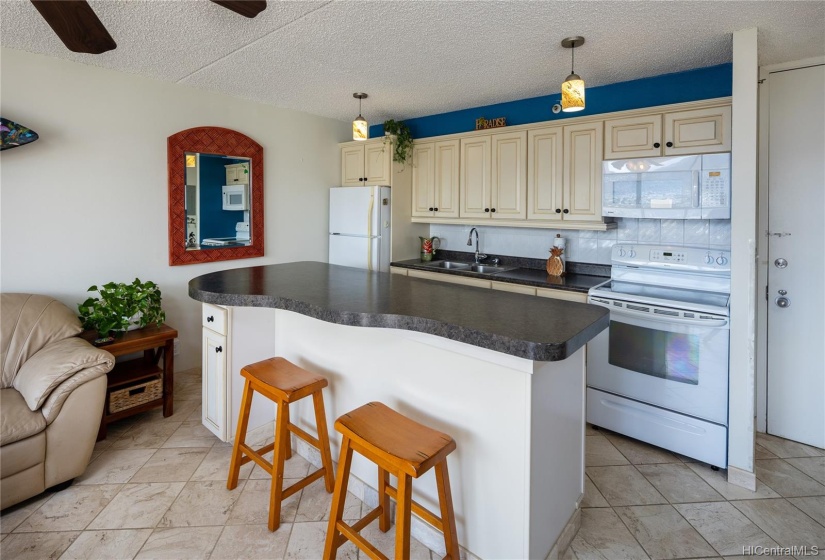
(540, 330)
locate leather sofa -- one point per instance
(52, 390)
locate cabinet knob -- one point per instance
(210, 319)
(558, 210)
(656, 145)
(492, 209)
(431, 208)
(566, 211)
(486, 209)
(436, 209)
(669, 144)
(219, 349)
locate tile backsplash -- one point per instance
(587, 246)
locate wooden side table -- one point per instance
(155, 342)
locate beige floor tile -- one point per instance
(190, 543)
(138, 506)
(115, 466)
(762, 453)
(624, 485)
(814, 507)
(100, 447)
(679, 484)
(200, 504)
(171, 465)
(724, 527)
(71, 509)
(191, 435)
(783, 522)
(215, 466)
(296, 467)
(787, 480)
(385, 542)
(36, 546)
(196, 416)
(188, 391)
(592, 496)
(252, 541)
(718, 480)
(15, 515)
(307, 543)
(589, 430)
(787, 448)
(812, 466)
(316, 502)
(599, 452)
(107, 544)
(604, 536)
(252, 506)
(639, 452)
(664, 533)
(149, 435)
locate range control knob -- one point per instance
(622, 252)
(721, 260)
(631, 254)
(709, 259)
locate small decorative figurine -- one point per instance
(555, 266)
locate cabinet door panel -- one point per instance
(377, 159)
(446, 178)
(583, 172)
(698, 131)
(449, 278)
(352, 166)
(475, 177)
(544, 173)
(562, 294)
(214, 384)
(423, 175)
(633, 137)
(509, 170)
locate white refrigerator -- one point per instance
(359, 227)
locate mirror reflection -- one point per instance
(218, 201)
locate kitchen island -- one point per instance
(502, 373)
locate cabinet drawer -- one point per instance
(515, 288)
(477, 282)
(398, 270)
(214, 318)
(562, 294)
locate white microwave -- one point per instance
(680, 187)
(235, 197)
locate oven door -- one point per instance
(675, 363)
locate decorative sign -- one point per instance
(482, 123)
(13, 134)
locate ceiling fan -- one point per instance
(77, 25)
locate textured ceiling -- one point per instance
(419, 57)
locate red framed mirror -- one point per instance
(216, 196)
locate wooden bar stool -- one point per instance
(401, 447)
(282, 382)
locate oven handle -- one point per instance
(710, 323)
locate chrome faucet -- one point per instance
(479, 256)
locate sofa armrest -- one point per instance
(52, 373)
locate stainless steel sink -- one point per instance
(489, 268)
(452, 265)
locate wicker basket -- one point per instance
(135, 395)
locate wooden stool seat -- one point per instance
(282, 382)
(401, 447)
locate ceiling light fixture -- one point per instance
(572, 90)
(360, 126)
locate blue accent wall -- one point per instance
(214, 220)
(679, 87)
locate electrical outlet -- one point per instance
(177, 347)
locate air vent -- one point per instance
(707, 317)
(617, 303)
(638, 308)
(666, 312)
(689, 315)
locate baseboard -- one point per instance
(566, 537)
(743, 478)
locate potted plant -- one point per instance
(403, 140)
(122, 307)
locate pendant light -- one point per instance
(572, 90)
(360, 126)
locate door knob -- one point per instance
(780, 263)
(783, 302)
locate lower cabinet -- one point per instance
(438, 276)
(216, 383)
(562, 294)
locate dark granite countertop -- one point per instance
(541, 329)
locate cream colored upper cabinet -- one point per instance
(445, 199)
(377, 163)
(583, 154)
(423, 179)
(352, 166)
(509, 176)
(237, 174)
(670, 134)
(544, 173)
(475, 177)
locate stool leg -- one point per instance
(383, 500)
(277, 486)
(323, 439)
(403, 513)
(445, 501)
(240, 436)
(336, 512)
(288, 440)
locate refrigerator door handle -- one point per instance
(369, 231)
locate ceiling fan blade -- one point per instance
(247, 8)
(77, 25)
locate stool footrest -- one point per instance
(351, 533)
(287, 492)
(418, 509)
(247, 457)
(304, 436)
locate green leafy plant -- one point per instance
(119, 303)
(403, 140)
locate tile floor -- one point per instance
(156, 489)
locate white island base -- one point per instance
(518, 471)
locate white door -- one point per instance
(213, 362)
(796, 333)
(508, 200)
(358, 252)
(352, 210)
(475, 177)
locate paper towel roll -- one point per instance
(561, 243)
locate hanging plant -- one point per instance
(402, 150)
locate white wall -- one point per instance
(87, 202)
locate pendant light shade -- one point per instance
(360, 126)
(572, 90)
